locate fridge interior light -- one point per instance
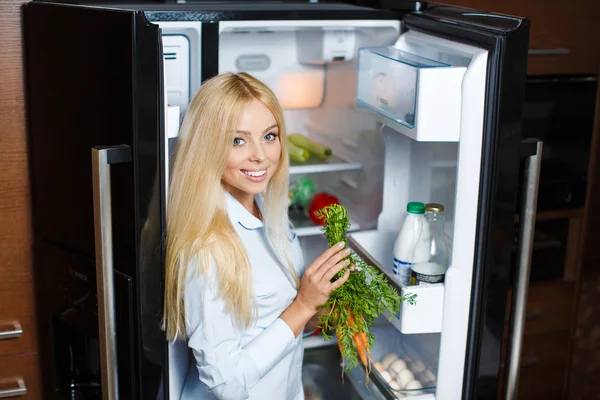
(301, 89)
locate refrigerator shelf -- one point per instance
(416, 96)
(303, 226)
(308, 228)
(315, 165)
(376, 248)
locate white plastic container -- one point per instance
(412, 243)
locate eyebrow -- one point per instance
(265, 131)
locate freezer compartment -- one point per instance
(416, 96)
(425, 316)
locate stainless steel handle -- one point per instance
(15, 332)
(102, 158)
(549, 52)
(524, 249)
(21, 390)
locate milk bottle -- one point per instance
(412, 243)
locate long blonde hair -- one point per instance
(198, 227)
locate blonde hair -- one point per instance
(198, 226)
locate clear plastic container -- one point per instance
(388, 81)
(416, 96)
(413, 376)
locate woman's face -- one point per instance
(254, 154)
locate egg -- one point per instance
(394, 385)
(404, 377)
(429, 376)
(378, 366)
(417, 366)
(397, 366)
(388, 359)
(413, 385)
(386, 376)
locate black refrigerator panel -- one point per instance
(506, 39)
(95, 79)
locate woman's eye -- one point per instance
(270, 137)
(238, 141)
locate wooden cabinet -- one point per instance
(543, 366)
(19, 377)
(563, 37)
(549, 307)
(18, 357)
(546, 341)
(17, 312)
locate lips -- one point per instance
(257, 175)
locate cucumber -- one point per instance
(315, 148)
(297, 154)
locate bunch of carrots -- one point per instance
(352, 308)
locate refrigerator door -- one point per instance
(505, 39)
(95, 81)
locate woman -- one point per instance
(236, 288)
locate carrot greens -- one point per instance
(352, 308)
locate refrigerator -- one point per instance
(421, 102)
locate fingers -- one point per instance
(331, 272)
(331, 263)
(340, 281)
(325, 256)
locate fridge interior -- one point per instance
(403, 115)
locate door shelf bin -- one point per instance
(418, 97)
(376, 248)
(388, 341)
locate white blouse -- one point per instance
(262, 362)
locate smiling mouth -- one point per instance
(254, 174)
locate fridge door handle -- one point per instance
(102, 158)
(525, 246)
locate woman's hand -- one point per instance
(316, 285)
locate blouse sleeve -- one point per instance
(226, 368)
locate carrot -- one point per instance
(361, 350)
(365, 341)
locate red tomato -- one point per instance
(319, 201)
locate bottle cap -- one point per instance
(415, 207)
(434, 207)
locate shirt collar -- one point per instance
(238, 213)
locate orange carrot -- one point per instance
(365, 341)
(360, 349)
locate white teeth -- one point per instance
(255, 174)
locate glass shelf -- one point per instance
(303, 226)
(315, 165)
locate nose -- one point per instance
(258, 153)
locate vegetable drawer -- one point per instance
(425, 316)
(418, 97)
